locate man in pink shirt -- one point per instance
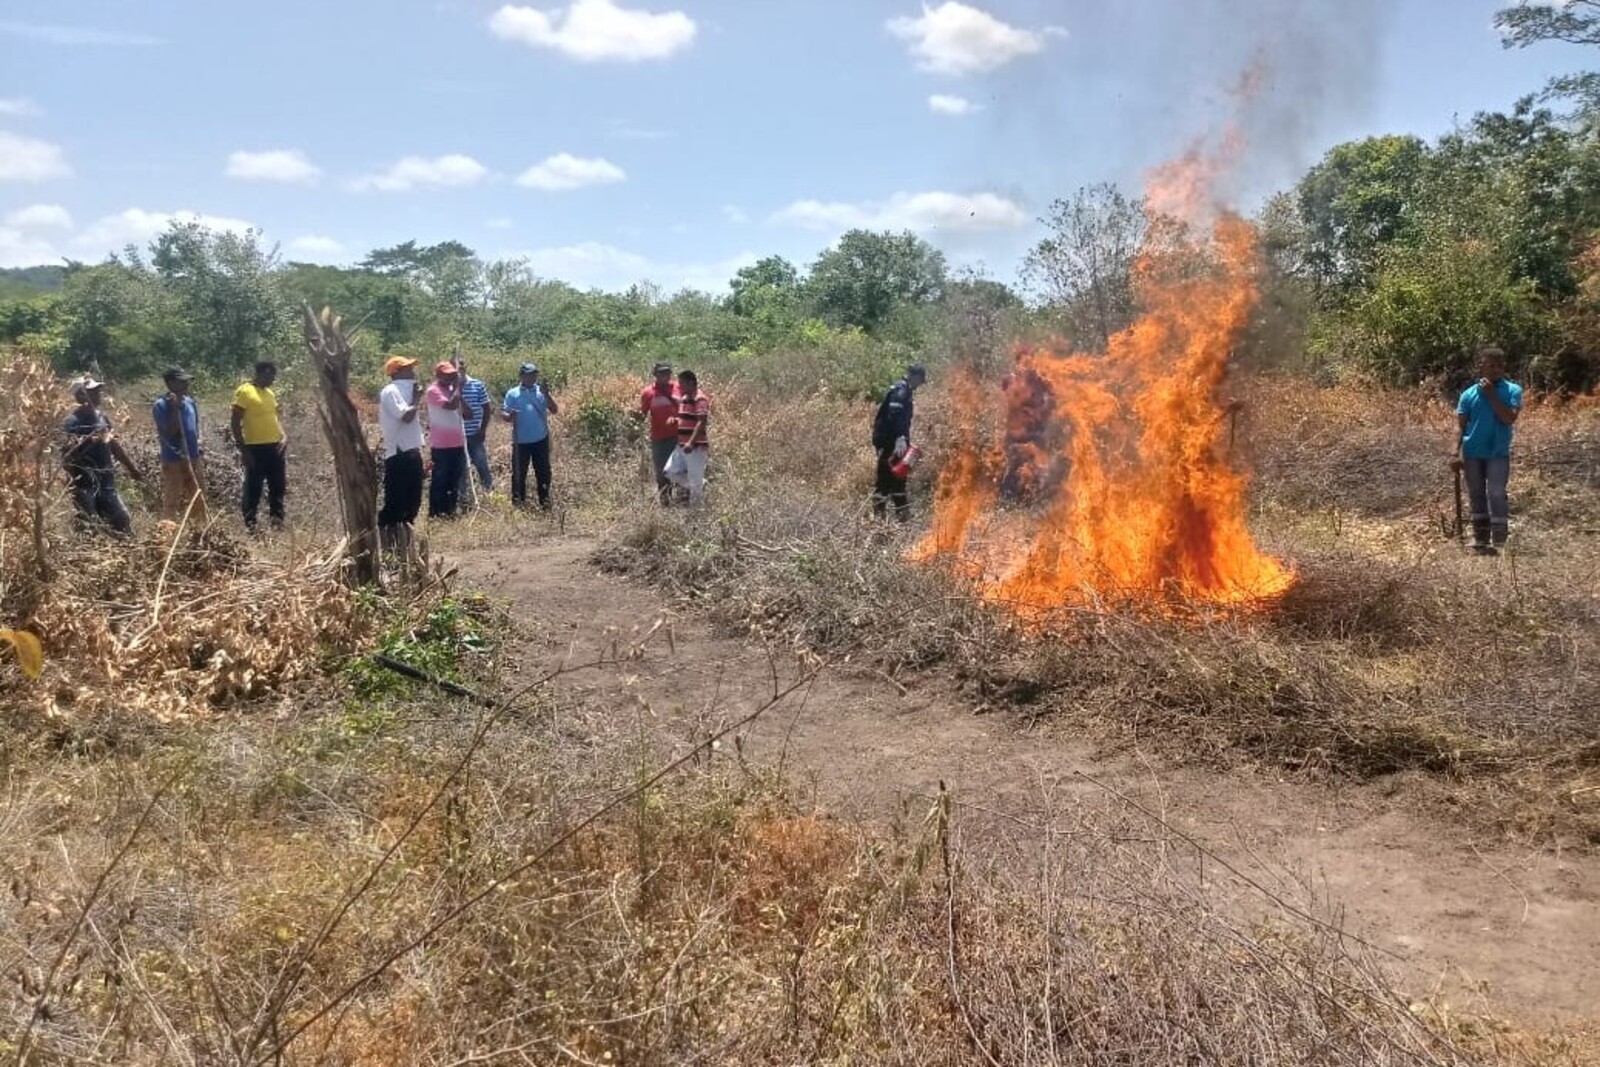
(447, 441)
(659, 403)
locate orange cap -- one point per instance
(444, 366)
(397, 363)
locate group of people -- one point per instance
(90, 451)
(452, 414)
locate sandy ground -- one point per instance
(1455, 915)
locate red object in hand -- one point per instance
(901, 467)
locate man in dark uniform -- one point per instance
(891, 436)
(87, 454)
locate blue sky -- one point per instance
(610, 141)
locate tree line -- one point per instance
(1391, 259)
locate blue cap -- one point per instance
(528, 368)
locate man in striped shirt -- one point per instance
(475, 424)
(694, 413)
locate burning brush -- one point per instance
(1118, 463)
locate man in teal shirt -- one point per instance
(1487, 415)
(528, 407)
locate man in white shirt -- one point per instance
(398, 405)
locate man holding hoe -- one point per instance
(1486, 417)
(89, 449)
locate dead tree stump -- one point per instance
(354, 467)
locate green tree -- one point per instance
(1357, 200)
(865, 278)
(1083, 271)
(224, 288)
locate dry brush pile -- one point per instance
(171, 623)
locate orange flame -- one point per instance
(1120, 459)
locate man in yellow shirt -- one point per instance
(262, 445)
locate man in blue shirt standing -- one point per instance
(1487, 415)
(177, 420)
(475, 424)
(528, 407)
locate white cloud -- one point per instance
(18, 107)
(277, 165)
(136, 226)
(40, 217)
(19, 249)
(421, 172)
(944, 104)
(77, 36)
(735, 214)
(594, 30)
(565, 171)
(964, 212)
(28, 159)
(956, 39)
(316, 246)
(593, 264)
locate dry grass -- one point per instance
(707, 919)
(1394, 652)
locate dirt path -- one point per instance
(1462, 915)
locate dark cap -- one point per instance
(528, 368)
(661, 368)
(176, 374)
(917, 370)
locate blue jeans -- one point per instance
(477, 460)
(1486, 488)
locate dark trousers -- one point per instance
(264, 467)
(402, 489)
(1491, 508)
(477, 460)
(94, 493)
(537, 454)
(889, 490)
(449, 464)
(660, 452)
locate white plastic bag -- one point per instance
(677, 467)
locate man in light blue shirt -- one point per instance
(528, 407)
(1487, 416)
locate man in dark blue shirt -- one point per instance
(891, 436)
(1487, 416)
(87, 453)
(177, 419)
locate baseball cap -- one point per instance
(916, 370)
(444, 366)
(82, 385)
(397, 363)
(176, 374)
(528, 368)
(661, 368)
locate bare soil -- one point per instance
(1481, 922)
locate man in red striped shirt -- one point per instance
(694, 413)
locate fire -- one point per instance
(1118, 462)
